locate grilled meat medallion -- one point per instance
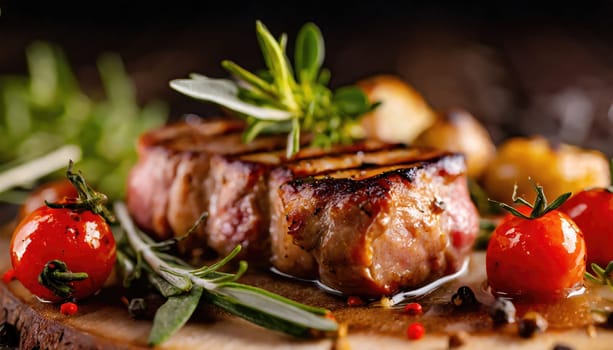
(365, 219)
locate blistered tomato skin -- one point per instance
(81, 239)
(592, 211)
(538, 259)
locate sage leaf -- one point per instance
(225, 93)
(256, 317)
(309, 53)
(351, 100)
(173, 314)
(277, 306)
(292, 99)
(165, 288)
(256, 305)
(180, 281)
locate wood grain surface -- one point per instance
(103, 323)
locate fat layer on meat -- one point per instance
(368, 218)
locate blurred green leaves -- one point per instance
(48, 109)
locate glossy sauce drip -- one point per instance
(439, 315)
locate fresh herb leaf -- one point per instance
(309, 53)
(293, 139)
(249, 78)
(273, 103)
(173, 314)
(277, 65)
(600, 275)
(169, 274)
(165, 288)
(351, 100)
(225, 92)
(257, 316)
(480, 198)
(486, 228)
(47, 111)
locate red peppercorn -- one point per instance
(8, 276)
(416, 331)
(69, 309)
(355, 301)
(413, 309)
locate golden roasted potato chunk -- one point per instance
(458, 131)
(559, 169)
(403, 114)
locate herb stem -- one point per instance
(178, 282)
(284, 99)
(173, 275)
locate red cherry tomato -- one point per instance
(79, 238)
(539, 258)
(592, 211)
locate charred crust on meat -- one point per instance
(438, 205)
(320, 213)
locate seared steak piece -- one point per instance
(170, 186)
(368, 218)
(372, 232)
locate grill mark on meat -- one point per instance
(362, 218)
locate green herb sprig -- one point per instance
(47, 111)
(184, 286)
(285, 99)
(601, 275)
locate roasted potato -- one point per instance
(403, 114)
(559, 169)
(458, 131)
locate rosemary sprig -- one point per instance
(600, 275)
(185, 287)
(283, 99)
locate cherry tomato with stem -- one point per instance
(65, 250)
(538, 256)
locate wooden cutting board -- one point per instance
(103, 322)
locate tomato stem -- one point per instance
(540, 206)
(56, 277)
(88, 198)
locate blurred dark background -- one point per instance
(522, 67)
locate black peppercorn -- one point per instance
(502, 312)
(562, 347)
(531, 323)
(464, 298)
